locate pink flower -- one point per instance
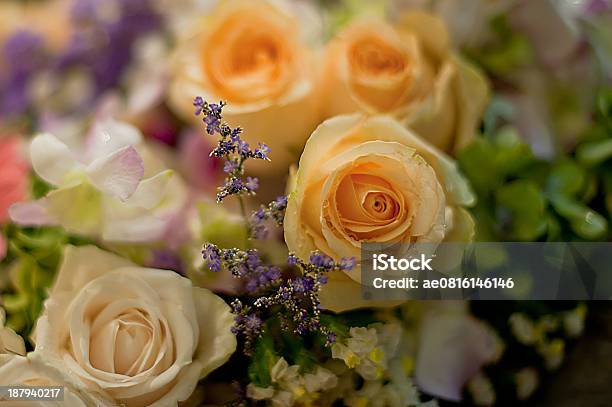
(2, 247)
(13, 180)
(13, 175)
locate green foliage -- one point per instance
(522, 198)
(263, 359)
(33, 258)
(508, 51)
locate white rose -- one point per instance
(18, 370)
(143, 336)
(10, 342)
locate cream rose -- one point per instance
(18, 370)
(252, 54)
(371, 180)
(409, 71)
(10, 342)
(142, 336)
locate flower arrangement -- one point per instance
(187, 188)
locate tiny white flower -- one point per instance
(482, 391)
(526, 382)
(362, 340)
(523, 328)
(573, 321)
(259, 393)
(552, 352)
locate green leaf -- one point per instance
(262, 361)
(567, 179)
(477, 164)
(335, 325)
(525, 202)
(297, 353)
(512, 153)
(39, 187)
(607, 186)
(595, 152)
(584, 221)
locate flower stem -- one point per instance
(247, 240)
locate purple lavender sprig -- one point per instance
(294, 300)
(232, 148)
(244, 264)
(273, 212)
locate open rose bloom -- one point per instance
(140, 336)
(192, 190)
(370, 180)
(253, 55)
(410, 71)
(18, 371)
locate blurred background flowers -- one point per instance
(99, 145)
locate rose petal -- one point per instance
(119, 173)
(83, 264)
(213, 315)
(10, 342)
(453, 347)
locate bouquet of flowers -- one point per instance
(187, 189)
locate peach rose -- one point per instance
(253, 55)
(144, 337)
(409, 71)
(371, 180)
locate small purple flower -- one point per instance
(259, 214)
(273, 274)
(262, 152)
(252, 285)
(303, 285)
(321, 260)
(230, 166)
(252, 183)
(281, 201)
(235, 134)
(347, 263)
(234, 185)
(292, 260)
(242, 147)
(253, 322)
(212, 258)
(198, 102)
(253, 260)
